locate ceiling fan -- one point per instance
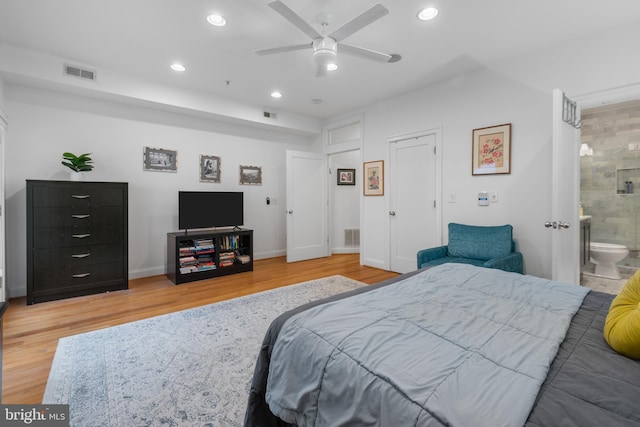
(325, 48)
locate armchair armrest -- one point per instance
(426, 255)
(512, 262)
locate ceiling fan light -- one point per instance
(427, 13)
(217, 20)
(324, 51)
(276, 94)
(332, 66)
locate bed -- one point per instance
(544, 361)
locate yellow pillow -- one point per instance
(622, 327)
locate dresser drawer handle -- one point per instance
(80, 236)
(80, 196)
(80, 255)
(81, 275)
(84, 216)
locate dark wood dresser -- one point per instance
(77, 238)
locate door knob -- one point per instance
(550, 224)
(392, 213)
(564, 224)
(290, 212)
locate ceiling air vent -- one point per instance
(269, 115)
(83, 73)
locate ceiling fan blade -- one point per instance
(363, 53)
(283, 49)
(321, 70)
(359, 22)
(294, 18)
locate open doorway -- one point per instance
(610, 191)
(346, 187)
(343, 141)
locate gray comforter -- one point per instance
(453, 345)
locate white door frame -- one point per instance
(342, 148)
(438, 185)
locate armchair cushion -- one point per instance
(490, 247)
(482, 243)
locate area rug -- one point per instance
(189, 368)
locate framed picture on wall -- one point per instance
(491, 150)
(374, 178)
(209, 168)
(250, 175)
(346, 177)
(159, 159)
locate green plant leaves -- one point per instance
(81, 163)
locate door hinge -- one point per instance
(434, 150)
(434, 203)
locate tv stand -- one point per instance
(205, 254)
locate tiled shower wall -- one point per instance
(613, 132)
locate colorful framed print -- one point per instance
(346, 177)
(491, 150)
(374, 178)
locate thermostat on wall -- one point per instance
(483, 198)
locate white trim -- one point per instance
(609, 96)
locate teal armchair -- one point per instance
(490, 247)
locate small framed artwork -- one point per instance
(346, 177)
(491, 150)
(250, 175)
(374, 178)
(159, 159)
(209, 168)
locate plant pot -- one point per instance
(77, 176)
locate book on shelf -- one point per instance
(244, 259)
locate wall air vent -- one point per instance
(352, 237)
(269, 115)
(83, 73)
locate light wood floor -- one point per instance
(31, 333)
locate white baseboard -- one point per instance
(345, 250)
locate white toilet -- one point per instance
(605, 256)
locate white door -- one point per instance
(307, 209)
(564, 224)
(413, 219)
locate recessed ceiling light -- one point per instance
(332, 67)
(276, 94)
(177, 67)
(427, 13)
(217, 20)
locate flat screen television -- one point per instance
(206, 209)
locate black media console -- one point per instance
(204, 254)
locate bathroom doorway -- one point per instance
(610, 178)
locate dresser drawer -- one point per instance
(77, 195)
(77, 276)
(44, 259)
(60, 237)
(76, 216)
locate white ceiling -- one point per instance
(141, 38)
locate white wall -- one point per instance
(478, 100)
(44, 124)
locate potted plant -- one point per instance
(77, 164)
